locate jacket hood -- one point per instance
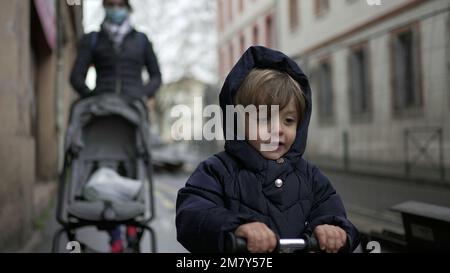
(264, 58)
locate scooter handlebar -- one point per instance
(235, 244)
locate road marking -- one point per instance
(166, 202)
(166, 188)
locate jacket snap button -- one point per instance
(278, 183)
(280, 161)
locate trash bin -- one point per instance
(427, 226)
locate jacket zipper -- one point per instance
(118, 89)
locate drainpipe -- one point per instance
(59, 84)
(278, 29)
(346, 151)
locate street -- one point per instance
(166, 188)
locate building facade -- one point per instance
(38, 48)
(380, 80)
(187, 92)
(242, 23)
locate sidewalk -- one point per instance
(368, 199)
(44, 196)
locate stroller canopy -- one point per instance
(86, 110)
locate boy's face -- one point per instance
(287, 130)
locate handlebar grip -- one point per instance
(312, 243)
(234, 244)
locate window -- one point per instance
(293, 15)
(229, 10)
(231, 55)
(321, 7)
(221, 63)
(220, 14)
(255, 35)
(359, 82)
(269, 31)
(242, 43)
(406, 72)
(448, 60)
(325, 86)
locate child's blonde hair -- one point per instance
(271, 87)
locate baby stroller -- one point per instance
(105, 131)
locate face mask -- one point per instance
(116, 15)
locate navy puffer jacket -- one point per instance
(237, 186)
(117, 71)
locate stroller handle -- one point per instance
(234, 244)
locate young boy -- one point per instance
(259, 193)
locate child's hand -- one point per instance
(331, 238)
(260, 238)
